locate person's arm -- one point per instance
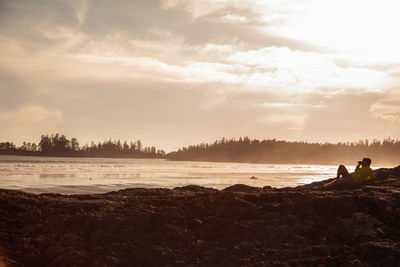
(358, 166)
(372, 174)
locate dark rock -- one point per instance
(242, 188)
(356, 225)
(381, 175)
(355, 263)
(196, 188)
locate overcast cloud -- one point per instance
(174, 72)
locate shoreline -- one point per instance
(198, 226)
(331, 162)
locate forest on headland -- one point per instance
(58, 145)
(385, 152)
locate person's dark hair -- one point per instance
(367, 160)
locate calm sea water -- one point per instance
(98, 175)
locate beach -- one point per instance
(73, 175)
(198, 226)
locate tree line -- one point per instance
(386, 152)
(244, 149)
(60, 145)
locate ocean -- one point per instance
(100, 175)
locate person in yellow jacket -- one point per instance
(363, 172)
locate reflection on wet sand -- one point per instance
(94, 175)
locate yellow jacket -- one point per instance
(363, 174)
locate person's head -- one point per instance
(366, 162)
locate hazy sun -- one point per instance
(366, 30)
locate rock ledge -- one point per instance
(197, 226)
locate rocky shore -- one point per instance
(197, 226)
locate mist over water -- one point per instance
(99, 175)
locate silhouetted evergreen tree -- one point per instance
(276, 151)
(60, 145)
(242, 150)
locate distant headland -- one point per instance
(244, 149)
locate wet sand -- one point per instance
(198, 226)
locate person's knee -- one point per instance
(341, 167)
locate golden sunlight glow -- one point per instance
(358, 27)
(288, 69)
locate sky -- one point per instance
(180, 72)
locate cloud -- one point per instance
(291, 70)
(81, 11)
(351, 117)
(347, 28)
(135, 69)
(388, 108)
(18, 19)
(289, 105)
(234, 19)
(30, 115)
(269, 68)
(200, 8)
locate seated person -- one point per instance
(363, 172)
